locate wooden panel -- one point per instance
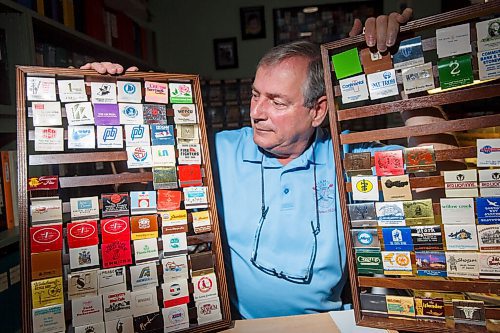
(24, 239)
(123, 178)
(479, 286)
(420, 130)
(48, 159)
(418, 325)
(455, 96)
(430, 22)
(33, 70)
(456, 153)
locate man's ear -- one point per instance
(320, 110)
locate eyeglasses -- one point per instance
(300, 279)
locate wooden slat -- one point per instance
(48, 159)
(420, 130)
(415, 182)
(408, 325)
(92, 75)
(450, 97)
(430, 22)
(478, 286)
(123, 178)
(200, 238)
(24, 238)
(455, 153)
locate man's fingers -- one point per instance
(98, 67)
(405, 16)
(392, 29)
(107, 67)
(132, 69)
(357, 28)
(381, 33)
(370, 32)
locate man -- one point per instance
(278, 197)
(278, 192)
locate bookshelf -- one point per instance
(33, 39)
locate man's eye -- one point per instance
(278, 103)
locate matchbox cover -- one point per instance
(43, 183)
(115, 229)
(46, 238)
(82, 234)
(143, 223)
(117, 253)
(169, 199)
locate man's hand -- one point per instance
(108, 68)
(383, 30)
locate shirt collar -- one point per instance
(252, 153)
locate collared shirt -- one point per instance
(286, 238)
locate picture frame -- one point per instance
(321, 23)
(253, 23)
(226, 53)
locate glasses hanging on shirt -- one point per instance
(315, 230)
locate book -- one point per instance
(7, 190)
(3, 215)
(68, 10)
(79, 11)
(94, 19)
(125, 31)
(13, 185)
(40, 7)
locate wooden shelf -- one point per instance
(450, 97)
(479, 286)
(9, 237)
(418, 325)
(122, 178)
(420, 130)
(50, 159)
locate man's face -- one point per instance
(282, 125)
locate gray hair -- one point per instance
(314, 87)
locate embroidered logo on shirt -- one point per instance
(326, 195)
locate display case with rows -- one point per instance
(422, 222)
(118, 224)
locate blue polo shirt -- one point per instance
(287, 242)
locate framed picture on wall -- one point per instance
(226, 53)
(320, 23)
(253, 23)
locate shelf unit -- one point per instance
(25, 28)
(73, 185)
(341, 116)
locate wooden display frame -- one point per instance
(25, 160)
(337, 117)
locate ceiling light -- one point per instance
(309, 10)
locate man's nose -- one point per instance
(257, 109)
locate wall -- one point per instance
(186, 29)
